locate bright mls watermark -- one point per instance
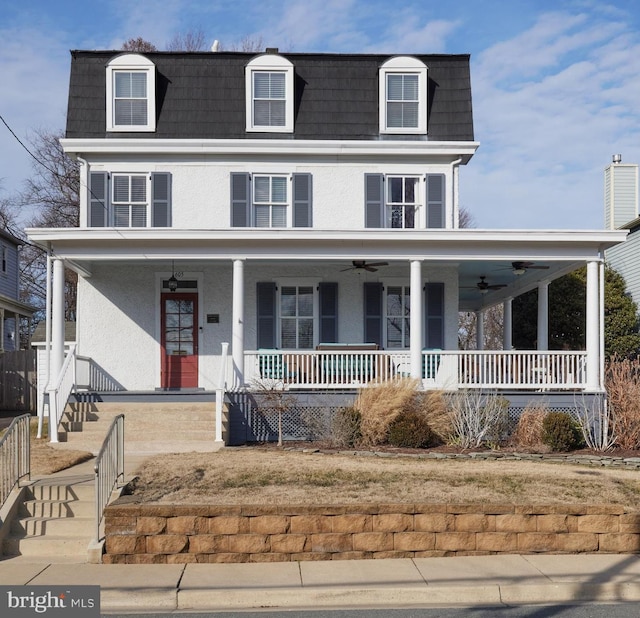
(50, 601)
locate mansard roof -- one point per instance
(201, 95)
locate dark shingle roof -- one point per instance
(202, 95)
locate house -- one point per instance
(621, 213)
(12, 309)
(300, 210)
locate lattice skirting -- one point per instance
(309, 416)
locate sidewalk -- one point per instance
(467, 581)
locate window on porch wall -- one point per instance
(296, 317)
(397, 317)
(387, 315)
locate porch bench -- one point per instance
(361, 368)
(272, 365)
(430, 365)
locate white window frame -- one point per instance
(288, 205)
(406, 292)
(404, 65)
(113, 203)
(131, 63)
(269, 63)
(417, 203)
(297, 283)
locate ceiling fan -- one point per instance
(484, 286)
(519, 268)
(362, 265)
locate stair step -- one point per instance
(53, 526)
(62, 493)
(46, 546)
(58, 508)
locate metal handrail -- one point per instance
(15, 455)
(108, 468)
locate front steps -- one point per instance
(56, 520)
(149, 427)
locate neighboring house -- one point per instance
(304, 209)
(11, 308)
(621, 213)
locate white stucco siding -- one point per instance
(201, 192)
(119, 311)
(116, 323)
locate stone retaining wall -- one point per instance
(179, 534)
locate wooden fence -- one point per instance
(18, 380)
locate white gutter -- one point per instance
(454, 188)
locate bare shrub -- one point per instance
(528, 431)
(380, 405)
(345, 428)
(623, 390)
(593, 416)
(273, 397)
(477, 417)
(434, 406)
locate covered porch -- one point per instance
(127, 271)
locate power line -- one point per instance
(54, 172)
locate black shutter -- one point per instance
(434, 316)
(373, 313)
(160, 199)
(98, 199)
(435, 200)
(328, 293)
(373, 198)
(240, 212)
(266, 312)
(302, 200)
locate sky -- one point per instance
(555, 83)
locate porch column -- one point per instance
(57, 321)
(593, 327)
(416, 319)
(543, 315)
(57, 344)
(480, 330)
(507, 328)
(237, 319)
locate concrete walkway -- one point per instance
(467, 581)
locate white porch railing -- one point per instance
(445, 369)
(60, 392)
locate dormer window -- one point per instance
(403, 96)
(131, 87)
(269, 94)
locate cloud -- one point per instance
(35, 76)
(551, 105)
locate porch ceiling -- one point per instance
(475, 253)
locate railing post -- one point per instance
(222, 381)
(53, 415)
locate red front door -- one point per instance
(179, 345)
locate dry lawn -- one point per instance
(46, 459)
(246, 475)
